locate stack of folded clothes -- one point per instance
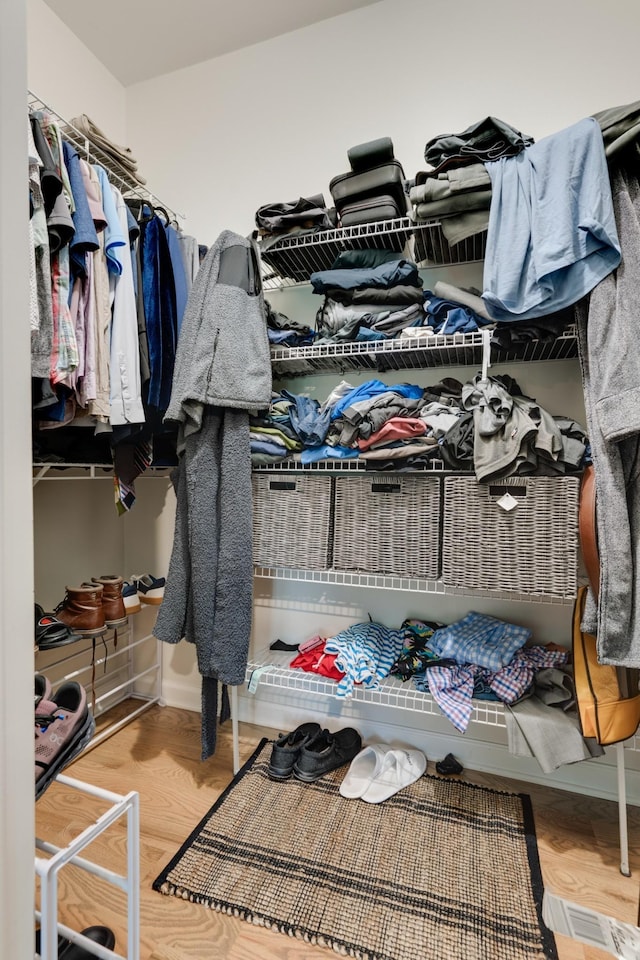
(121, 155)
(457, 188)
(301, 216)
(368, 295)
(271, 434)
(283, 332)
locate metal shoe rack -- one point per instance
(48, 867)
(113, 669)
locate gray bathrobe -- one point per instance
(222, 372)
(609, 346)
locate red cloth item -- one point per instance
(317, 661)
(396, 428)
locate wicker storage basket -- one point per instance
(531, 548)
(292, 521)
(387, 524)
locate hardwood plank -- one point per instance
(158, 755)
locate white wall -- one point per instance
(68, 77)
(274, 121)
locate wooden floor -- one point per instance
(158, 756)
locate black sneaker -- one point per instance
(287, 747)
(326, 752)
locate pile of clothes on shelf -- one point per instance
(477, 658)
(368, 295)
(456, 189)
(488, 426)
(376, 294)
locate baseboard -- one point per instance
(184, 695)
(481, 748)
(474, 749)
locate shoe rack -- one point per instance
(122, 667)
(48, 868)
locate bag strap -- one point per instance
(587, 529)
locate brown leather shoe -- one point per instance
(115, 614)
(82, 610)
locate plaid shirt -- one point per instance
(452, 687)
(480, 639)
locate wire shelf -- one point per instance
(391, 692)
(375, 581)
(292, 259)
(88, 471)
(458, 349)
(342, 466)
(118, 174)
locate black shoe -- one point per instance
(51, 632)
(449, 766)
(71, 951)
(287, 747)
(326, 752)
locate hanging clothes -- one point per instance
(607, 324)
(222, 373)
(548, 244)
(159, 301)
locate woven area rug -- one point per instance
(443, 870)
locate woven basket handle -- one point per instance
(587, 528)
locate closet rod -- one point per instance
(95, 154)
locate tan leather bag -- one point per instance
(607, 697)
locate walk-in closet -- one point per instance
(223, 117)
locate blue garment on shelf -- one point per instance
(371, 389)
(388, 274)
(291, 338)
(552, 232)
(447, 317)
(308, 421)
(453, 688)
(326, 452)
(365, 653)
(479, 638)
(271, 447)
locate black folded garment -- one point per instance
(365, 259)
(456, 447)
(620, 127)
(307, 212)
(508, 336)
(488, 139)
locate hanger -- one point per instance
(161, 210)
(137, 207)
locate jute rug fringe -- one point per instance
(317, 940)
